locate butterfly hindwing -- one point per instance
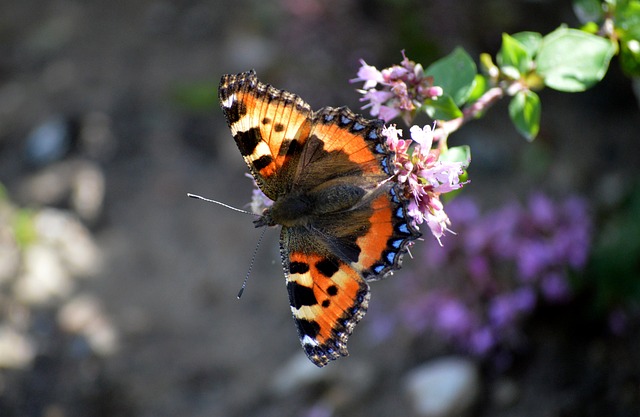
(327, 298)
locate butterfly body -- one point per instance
(343, 222)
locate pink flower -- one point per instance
(369, 74)
(423, 176)
(396, 91)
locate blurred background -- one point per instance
(118, 293)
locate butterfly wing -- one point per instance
(268, 125)
(328, 298)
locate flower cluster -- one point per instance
(423, 176)
(396, 91)
(483, 286)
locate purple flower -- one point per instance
(479, 268)
(396, 91)
(533, 257)
(453, 318)
(555, 287)
(543, 212)
(481, 341)
(464, 211)
(501, 263)
(505, 309)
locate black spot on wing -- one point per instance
(332, 290)
(307, 328)
(262, 162)
(327, 267)
(299, 295)
(298, 268)
(248, 141)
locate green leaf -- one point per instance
(524, 110)
(630, 58)
(530, 41)
(513, 54)
(627, 20)
(455, 73)
(480, 86)
(487, 65)
(511, 72)
(442, 108)
(457, 154)
(571, 60)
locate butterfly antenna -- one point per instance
(253, 259)
(198, 197)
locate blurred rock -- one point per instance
(351, 378)
(71, 240)
(44, 278)
(64, 249)
(79, 184)
(16, 350)
(85, 316)
(299, 371)
(443, 387)
(48, 142)
(87, 192)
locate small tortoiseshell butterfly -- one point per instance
(343, 222)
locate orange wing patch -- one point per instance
(348, 141)
(372, 247)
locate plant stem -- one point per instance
(446, 127)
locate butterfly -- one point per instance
(344, 222)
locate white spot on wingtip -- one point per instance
(229, 101)
(306, 340)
